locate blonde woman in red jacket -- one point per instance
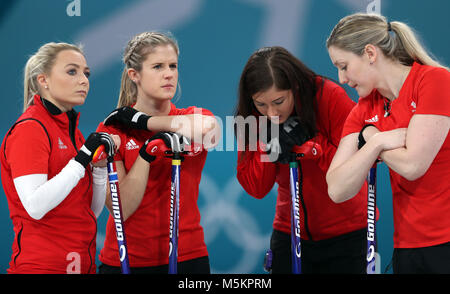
(149, 82)
(54, 197)
(402, 116)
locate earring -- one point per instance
(46, 86)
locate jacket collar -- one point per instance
(62, 118)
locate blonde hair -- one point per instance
(41, 62)
(135, 54)
(396, 39)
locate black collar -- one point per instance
(52, 108)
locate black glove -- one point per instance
(86, 152)
(173, 141)
(129, 117)
(361, 140)
(291, 133)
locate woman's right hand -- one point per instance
(172, 142)
(194, 126)
(95, 140)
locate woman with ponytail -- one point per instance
(402, 118)
(54, 194)
(146, 112)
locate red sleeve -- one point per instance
(354, 121)
(338, 106)
(434, 93)
(334, 106)
(28, 149)
(255, 176)
(328, 151)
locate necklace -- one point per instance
(387, 107)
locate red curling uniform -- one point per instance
(40, 143)
(421, 206)
(147, 229)
(325, 219)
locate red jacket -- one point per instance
(324, 218)
(41, 144)
(421, 207)
(147, 229)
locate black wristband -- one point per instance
(143, 153)
(86, 151)
(361, 140)
(83, 159)
(142, 120)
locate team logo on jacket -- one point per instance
(372, 120)
(61, 145)
(131, 145)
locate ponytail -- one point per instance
(396, 40)
(411, 45)
(128, 90)
(30, 84)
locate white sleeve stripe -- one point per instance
(136, 116)
(85, 150)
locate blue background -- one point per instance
(216, 37)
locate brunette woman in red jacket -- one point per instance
(276, 84)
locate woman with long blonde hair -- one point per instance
(146, 112)
(402, 117)
(54, 197)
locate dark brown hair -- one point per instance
(276, 66)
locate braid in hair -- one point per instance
(134, 56)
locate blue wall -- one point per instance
(216, 38)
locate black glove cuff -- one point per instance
(142, 122)
(147, 157)
(361, 140)
(83, 158)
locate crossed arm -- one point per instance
(409, 152)
(198, 127)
